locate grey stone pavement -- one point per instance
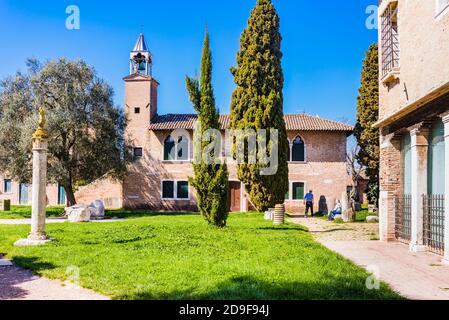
(417, 276)
(20, 284)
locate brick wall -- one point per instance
(108, 190)
(324, 172)
(390, 184)
(52, 193)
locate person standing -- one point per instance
(309, 199)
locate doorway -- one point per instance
(235, 196)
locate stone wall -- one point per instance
(424, 48)
(390, 184)
(108, 190)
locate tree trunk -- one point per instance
(71, 201)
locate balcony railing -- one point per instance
(403, 215)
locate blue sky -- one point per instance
(324, 45)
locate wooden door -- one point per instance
(235, 192)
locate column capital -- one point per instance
(422, 129)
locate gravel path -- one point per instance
(324, 230)
(20, 284)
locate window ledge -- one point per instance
(391, 76)
(297, 162)
(177, 161)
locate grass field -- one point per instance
(181, 257)
(23, 212)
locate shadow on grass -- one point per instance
(250, 288)
(298, 228)
(32, 263)
(122, 214)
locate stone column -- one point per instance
(419, 149)
(39, 189)
(446, 190)
(37, 235)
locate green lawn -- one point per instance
(181, 257)
(22, 212)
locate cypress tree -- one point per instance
(211, 180)
(367, 116)
(257, 102)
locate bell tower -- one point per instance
(140, 96)
(141, 58)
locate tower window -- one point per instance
(138, 152)
(136, 110)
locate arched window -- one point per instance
(176, 151)
(298, 150)
(182, 149)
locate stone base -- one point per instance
(417, 248)
(31, 243)
(5, 263)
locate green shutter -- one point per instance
(298, 191)
(436, 159)
(406, 150)
(183, 190)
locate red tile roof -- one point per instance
(294, 122)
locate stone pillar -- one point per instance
(39, 190)
(37, 235)
(446, 190)
(390, 184)
(419, 149)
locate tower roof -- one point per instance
(141, 45)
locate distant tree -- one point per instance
(86, 131)
(211, 181)
(367, 115)
(355, 171)
(257, 102)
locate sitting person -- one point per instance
(337, 211)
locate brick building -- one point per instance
(414, 123)
(157, 179)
